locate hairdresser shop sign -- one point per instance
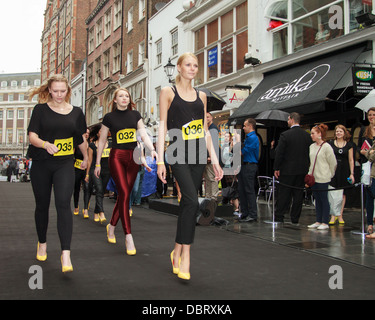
(363, 80)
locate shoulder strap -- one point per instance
(317, 157)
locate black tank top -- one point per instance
(185, 124)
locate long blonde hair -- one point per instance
(181, 59)
(43, 91)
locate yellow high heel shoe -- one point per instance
(175, 270)
(130, 252)
(85, 215)
(333, 222)
(102, 220)
(65, 269)
(110, 240)
(96, 217)
(76, 213)
(39, 257)
(184, 276)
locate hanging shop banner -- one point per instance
(235, 97)
(363, 80)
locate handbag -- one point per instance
(309, 178)
(228, 192)
(366, 173)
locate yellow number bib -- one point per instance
(126, 136)
(105, 153)
(65, 147)
(193, 130)
(77, 163)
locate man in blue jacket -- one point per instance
(247, 175)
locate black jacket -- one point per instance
(292, 152)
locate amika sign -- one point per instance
(289, 90)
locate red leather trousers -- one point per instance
(123, 171)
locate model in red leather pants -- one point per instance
(123, 171)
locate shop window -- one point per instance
(199, 79)
(241, 49)
(212, 32)
(222, 53)
(199, 39)
(316, 29)
(356, 8)
(227, 57)
(310, 22)
(226, 24)
(241, 16)
(302, 7)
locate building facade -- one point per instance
(165, 44)
(117, 54)
(15, 111)
(64, 37)
(104, 57)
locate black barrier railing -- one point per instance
(275, 223)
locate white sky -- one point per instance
(21, 25)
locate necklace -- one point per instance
(340, 149)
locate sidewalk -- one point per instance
(234, 262)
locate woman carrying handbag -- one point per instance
(322, 166)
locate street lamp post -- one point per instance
(169, 70)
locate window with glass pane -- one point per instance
(212, 31)
(241, 49)
(315, 29)
(226, 24)
(199, 79)
(302, 7)
(227, 57)
(280, 43)
(212, 63)
(199, 39)
(358, 7)
(241, 15)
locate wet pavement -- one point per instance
(234, 261)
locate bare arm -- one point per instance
(101, 144)
(39, 143)
(165, 99)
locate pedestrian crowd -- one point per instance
(15, 168)
(118, 155)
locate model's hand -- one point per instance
(218, 172)
(162, 173)
(83, 164)
(51, 148)
(97, 171)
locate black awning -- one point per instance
(300, 88)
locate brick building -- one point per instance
(64, 37)
(117, 54)
(104, 56)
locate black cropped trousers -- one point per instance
(189, 178)
(58, 174)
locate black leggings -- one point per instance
(79, 180)
(60, 174)
(189, 178)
